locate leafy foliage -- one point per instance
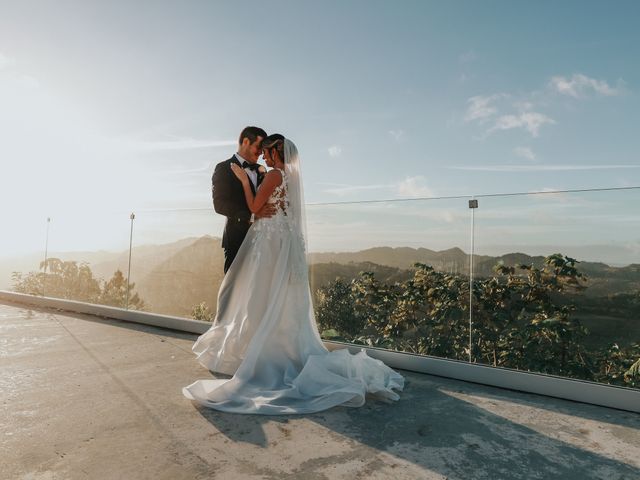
(114, 292)
(521, 319)
(202, 312)
(70, 280)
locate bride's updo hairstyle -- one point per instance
(274, 142)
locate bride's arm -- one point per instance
(268, 185)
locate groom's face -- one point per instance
(251, 151)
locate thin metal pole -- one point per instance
(132, 217)
(46, 255)
(473, 204)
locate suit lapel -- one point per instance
(235, 160)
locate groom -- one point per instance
(228, 195)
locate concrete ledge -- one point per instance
(146, 318)
(549, 385)
(541, 384)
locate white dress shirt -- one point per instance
(253, 175)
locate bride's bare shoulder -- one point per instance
(274, 175)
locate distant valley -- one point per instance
(172, 278)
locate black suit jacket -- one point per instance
(228, 200)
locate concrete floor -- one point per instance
(82, 397)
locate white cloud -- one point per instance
(14, 76)
(6, 61)
(525, 152)
(177, 144)
(530, 121)
(481, 107)
(342, 189)
(185, 171)
(549, 194)
(414, 187)
(28, 81)
(538, 168)
(580, 85)
(410, 187)
(523, 105)
(508, 111)
(397, 134)
(335, 151)
(468, 57)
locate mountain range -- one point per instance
(172, 278)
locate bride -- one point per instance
(265, 333)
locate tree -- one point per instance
(62, 280)
(70, 280)
(519, 323)
(336, 311)
(618, 366)
(30, 284)
(522, 318)
(114, 293)
(429, 313)
(202, 312)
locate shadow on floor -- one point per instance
(440, 433)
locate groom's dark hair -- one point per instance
(252, 133)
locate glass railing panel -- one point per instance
(393, 274)
(82, 257)
(177, 261)
(557, 284)
(22, 244)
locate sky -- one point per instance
(108, 108)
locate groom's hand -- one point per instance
(268, 210)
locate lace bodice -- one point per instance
(279, 196)
(279, 221)
(280, 228)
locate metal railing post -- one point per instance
(473, 204)
(132, 218)
(46, 255)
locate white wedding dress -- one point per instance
(265, 333)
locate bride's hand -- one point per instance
(239, 172)
(268, 210)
